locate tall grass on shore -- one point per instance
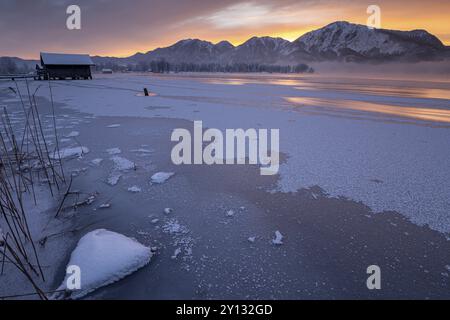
(26, 160)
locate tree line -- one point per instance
(9, 66)
(163, 66)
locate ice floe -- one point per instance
(230, 213)
(114, 178)
(113, 151)
(75, 152)
(134, 189)
(176, 253)
(161, 177)
(73, 134)
(123, 164)
(104, 257)
(97, 161)
(278, 238)
(142, 150)
(168, 210)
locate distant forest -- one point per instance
(9, 66)
(162, 66)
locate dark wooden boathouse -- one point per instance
(63, 66)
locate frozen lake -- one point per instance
(364, 180)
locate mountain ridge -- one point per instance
(337, 41)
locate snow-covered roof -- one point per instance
(66, 59)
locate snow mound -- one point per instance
(69, 153)
(104, 257)
(161, 177)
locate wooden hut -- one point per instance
(63, 66)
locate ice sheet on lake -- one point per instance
(103, 258)
(338, 153)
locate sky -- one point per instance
(122, 28)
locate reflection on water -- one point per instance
(386, 90)
(424, 114)
(232, 82)
(382, 87)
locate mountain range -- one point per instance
(338, 41)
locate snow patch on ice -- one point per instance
(111, 126)
(104, 257)
(73, 134)
(114, 178)
(168, 210)
(142, 150)
(97, 161)
(161, 177)
(69, 153)
(278, 238)
(122, 164)
(113, 151)
(230, 213)
(134, 189)
(176, 253)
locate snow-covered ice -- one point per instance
(142, 150)
(114, 178)
(73, 134)
(278, 238)
(111, 126)
(230, 213)
(113, 151)
(97, 161)
(176, 253)
(174, 227)
(134, 189)
(123, 164)
(104, 257)
(161, 177)
(168, 210)
(69, 153)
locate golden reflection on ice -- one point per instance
(426, 114)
